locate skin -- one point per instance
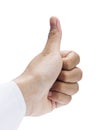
(50, 79)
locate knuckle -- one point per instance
(57, 96)
(45, 52)
(63, 76)
(76, 88)
(76, 56)
(68, 99)
(80, 73)
(52, 34)
(68, 64)
(60, 88)
(72, 60)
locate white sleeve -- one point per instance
(12, 106)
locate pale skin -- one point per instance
(50, 79)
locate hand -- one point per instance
(66, 84)
(50, 78)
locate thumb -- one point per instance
(54, 37)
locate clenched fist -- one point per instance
(51, 77)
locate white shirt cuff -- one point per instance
(12, 106)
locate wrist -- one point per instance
(28, 85)
(23, 83)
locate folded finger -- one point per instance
(65, 88)
(71, 60)
(64, 53)
(60, 98)
(71, 76)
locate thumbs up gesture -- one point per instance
(51, 77)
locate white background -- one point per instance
(24, 25)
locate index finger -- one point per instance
(70, 60)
